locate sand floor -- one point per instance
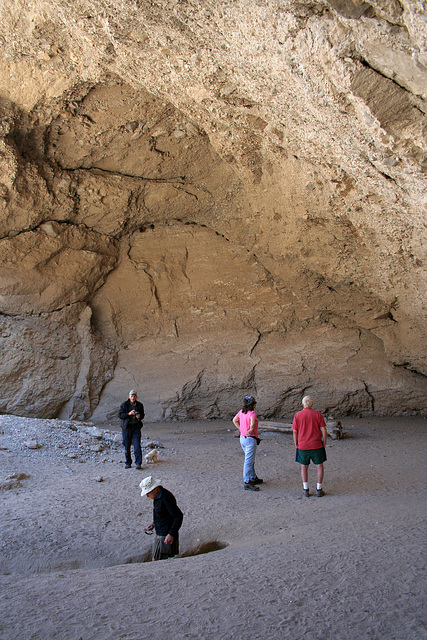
(348, 565)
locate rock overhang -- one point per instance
(212, 215)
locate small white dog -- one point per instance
(151, 456)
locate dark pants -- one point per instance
(162, 551)
(132, 435)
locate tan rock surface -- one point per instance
(203, 199)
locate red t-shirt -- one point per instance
(307, 423)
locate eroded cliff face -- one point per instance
(203, 199)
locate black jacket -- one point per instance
(125, 407)
(167, 516)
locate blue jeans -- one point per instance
(249, 446)
(132, 435)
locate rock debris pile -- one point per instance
(63, 441)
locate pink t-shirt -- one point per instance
(245, 422)
(307, 423)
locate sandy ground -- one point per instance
(348, 565)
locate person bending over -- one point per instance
(167, 519)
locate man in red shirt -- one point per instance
(310, 435)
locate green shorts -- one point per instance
(317, 456)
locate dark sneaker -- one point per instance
(249, 486)
(305, 493)
(138, 466)
(128, 466)
(319, 493)
(256, 480)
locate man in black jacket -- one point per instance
(131, 413)
(167, 517)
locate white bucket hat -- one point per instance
(148, 484)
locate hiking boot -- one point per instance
(256, 480)
(319, 493)
(305, 493)
(249, 486)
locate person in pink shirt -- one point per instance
(247, 423)
(310, 436)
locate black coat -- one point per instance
(167, 516)
(125, 407)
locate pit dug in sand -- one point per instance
(200, 549)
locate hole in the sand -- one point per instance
(70, 565)
(203, 547)
(144, 557)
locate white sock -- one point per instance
(319, 485)
(305, 485)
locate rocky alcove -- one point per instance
(205, 199)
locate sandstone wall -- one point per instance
(212, 198)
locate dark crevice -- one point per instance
(386, 176)
(386, 316)
(99, 171)
(410, 367)
(256, 344)
(370, 396)
(367, 65)
(41, 314)
(69, 223)
(353, 10)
